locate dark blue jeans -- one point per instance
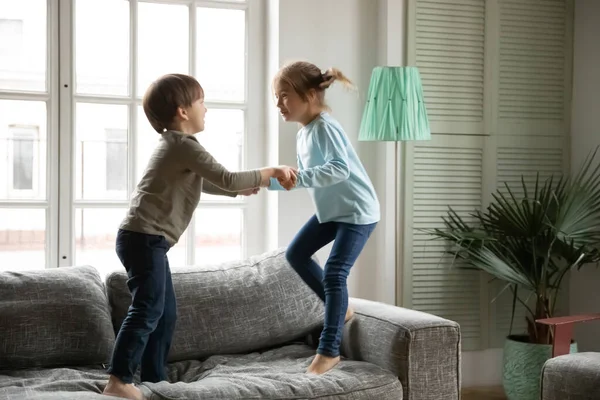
(329, 283)
(146, 334)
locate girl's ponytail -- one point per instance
(334, 74)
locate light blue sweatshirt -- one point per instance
(333, 174)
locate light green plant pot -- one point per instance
(522, 367)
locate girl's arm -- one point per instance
(333, 147)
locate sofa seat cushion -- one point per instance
(235, 307)
(572, 377)
(273, 374)
(54, 317)
(76, 383)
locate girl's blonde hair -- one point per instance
(303, 77)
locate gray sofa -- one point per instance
(245, 330)
(572, 377)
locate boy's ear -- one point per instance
(182, 113)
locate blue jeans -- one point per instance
(146, 334)
(329, 283)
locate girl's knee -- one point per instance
(295, 257)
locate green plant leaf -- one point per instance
(530, 236)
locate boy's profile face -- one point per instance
(196, 113)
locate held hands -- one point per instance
(286, 176)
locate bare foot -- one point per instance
(322, 364)
(349, 314)
(115, 387)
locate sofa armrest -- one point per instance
(421, 349)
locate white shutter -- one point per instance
(516, 157)
(534, 59)
(496, 76)
(448, 49)
(447, 171)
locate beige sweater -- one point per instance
(169, 192)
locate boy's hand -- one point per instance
(249, 192)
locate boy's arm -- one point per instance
(209, 188)
(332, 145)
(200, 161)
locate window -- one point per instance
(101, 71)
(116, 150)
(12, 32)
(25, 140)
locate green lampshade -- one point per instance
(395, 109)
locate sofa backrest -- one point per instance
(235, 307)
(54, 317)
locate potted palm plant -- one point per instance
(530, 242)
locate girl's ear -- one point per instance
(312, 95)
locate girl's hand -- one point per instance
(287, 176)
(284, 174)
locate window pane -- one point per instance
(24, 144)
(116, 151)
(218, 235)
(220, 56)
(147, 139)
(101, 129)
(22, 239)
(163, 42)
(178, 254)
(22, 150)
(224, 139)
(23, 45)
(102, 47)
(96, 233)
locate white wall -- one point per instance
(585, 135)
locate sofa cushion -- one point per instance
(75, 383)
(274, 374)
(231, 308)
(54, 317)
(572, 377)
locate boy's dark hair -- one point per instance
(165, 95)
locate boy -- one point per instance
(160, 211)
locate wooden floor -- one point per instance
(483, 394)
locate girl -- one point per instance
(347, 208)
(160, 211)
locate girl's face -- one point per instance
(291, 106)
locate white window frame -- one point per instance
(50, 96)
(252, 237)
